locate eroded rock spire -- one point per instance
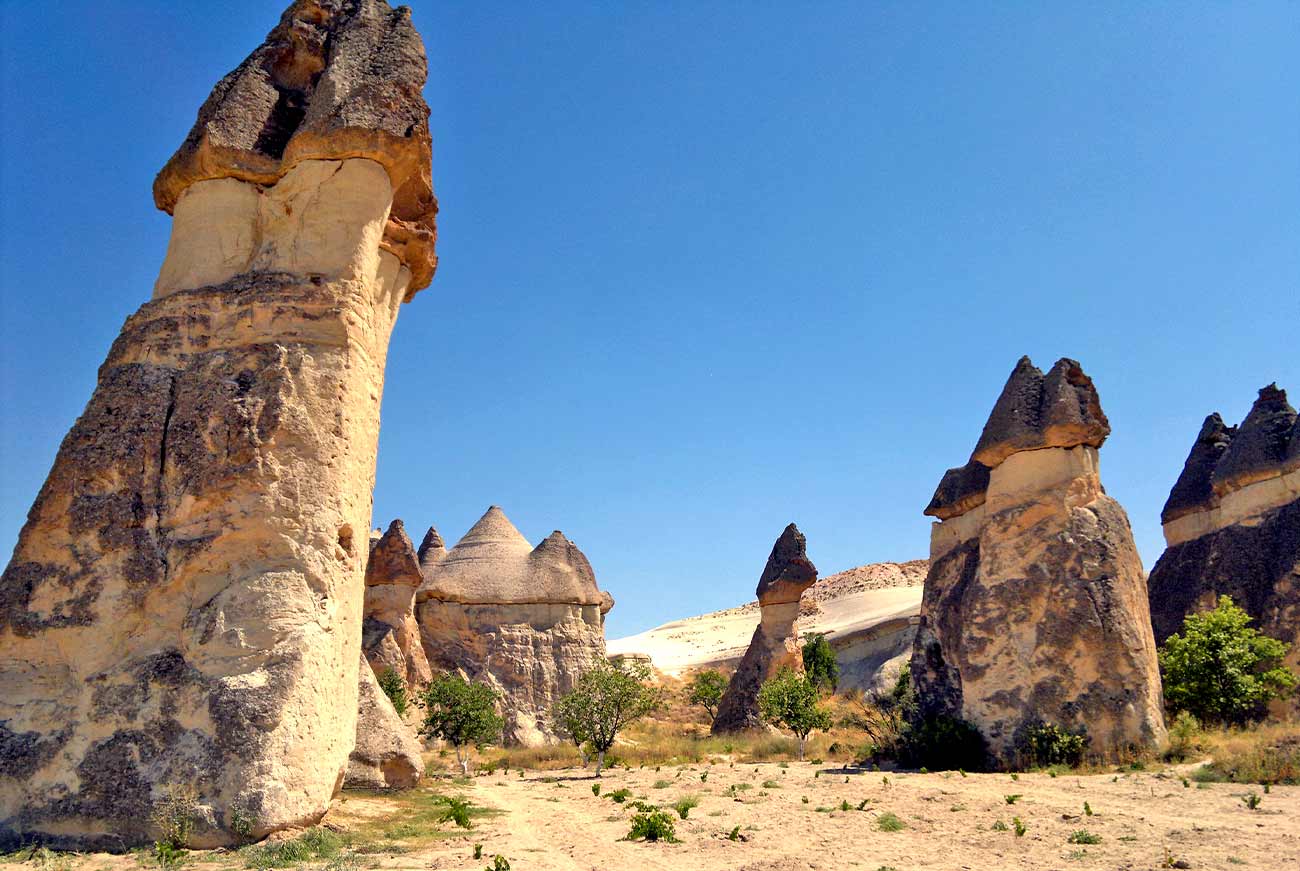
(183, 607)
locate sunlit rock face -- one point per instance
(1232, 524)
(527, 620)
(1035, 606)
(184, 605)
(386, 754)
(775, 644)
(390, 636)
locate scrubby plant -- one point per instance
(1012, 799)
(791, 701)
(1083, 836)
(1251, 800)
(734, 834)
(595, 789)
(653, 826)
(662, 784)
(456, 811)
(999, 826)
(1087, 809)
(462, 713)
(1220, 669)
(478, 851)
(1184, 729)
(499, 863)
(889, 822)
(684, 805)
(706, 690)
(174, 816)
(395, 688)
(819, 663)
(1019, 826)
(1043, 744)
(619, 796)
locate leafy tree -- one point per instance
(606, 699)
(462, 713)
(819, 663)
(395, 688)
(792, 701)
(1220, 669)
(706, 690)
(569, 719)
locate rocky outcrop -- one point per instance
(1232, 524)
(385, 754)
(775, 644)
(1035, 606)
(390, 635)
(527, 620)
(184, 603)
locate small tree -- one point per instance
(395, 688)
(606, 699)
(1220, 669)
(819, 663)
(569, 719)
(462, 713)
(791, 701)
(706, 690)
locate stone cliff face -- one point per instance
(385, 754)
(527, 620)
(1232, 524)
(184, 603)
(775, 644)
(1035, 606)
(390, 636)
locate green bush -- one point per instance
(1183, 731)
(457, 811)
(1083, 836)
(819, 663)
(1220, 669)
(683, 806)
(653, 826)
(944, 743)
(395, 688)
(706, 690)
(889, 822)
(790, 701)
(1043, 744)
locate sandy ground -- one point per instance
(721, 636)
(553, 821)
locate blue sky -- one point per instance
(709, 268)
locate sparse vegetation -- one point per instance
(706, 690)
(1019, 826)
(312, 845)
(889, 822)
(683, 806)
(1083, 836)
(395, 688)
(654, 825)
(1044, 744)
(819, 664)
(457, 811)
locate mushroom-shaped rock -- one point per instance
(1232, 525)
(527, 619)
(1034, 580)
(775, 643)
(183, 607)
(390, 635)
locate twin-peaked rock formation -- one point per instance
(390, 635)
(775, 644)
(1035, 605)
(527, 620)
(184, 604)
(1232, 524)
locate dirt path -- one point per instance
(553, 822)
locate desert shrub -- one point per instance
(456, 811)
(1083, 836)
(620, 795)
(595, 789)
(462, 713)
(706, 690)
(662, 784)
(174, 816)
(791, 701)
(1183, 731)
(499, 863)
(1220, 669)
(1043, 744)
(313, 844)
(884, 715)
(653, 826)
(1265, 754)
(889, 822)
(819, 663)
(1019, 826)
(395, 688)
(683, 806)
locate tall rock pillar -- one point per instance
(183, 608)
(1035, 606)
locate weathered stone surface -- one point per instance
(1035, 605)
(775, 644)
(960, 490)
(431, 551)
(385, 754)
(390, 635)
(183, 606)
(1059, 410)
(527, 620)
(1232, 525)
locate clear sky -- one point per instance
(708, 268)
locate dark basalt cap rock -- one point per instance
(789, 571)
(960, 490)
(1260, 448)
(335, 79)
(1059, 410)
(1193, 491)
(393, 559)
(1293, 447)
